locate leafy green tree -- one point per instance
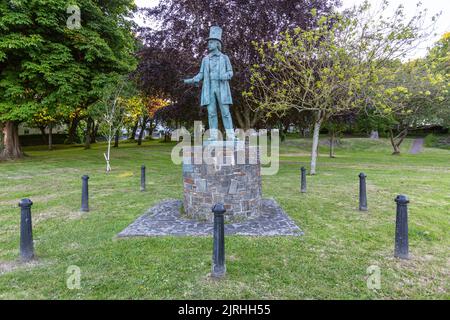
(438, 61)
(330, 70)
(134, 110)
(141, 111)
(411, 96)
(47, 119)
(45, 62)
(336, 125)
(439, 55)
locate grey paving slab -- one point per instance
(165, 219)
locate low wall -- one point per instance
(36, 139)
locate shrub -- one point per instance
(430, 140)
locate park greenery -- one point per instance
(301, 66)
(49, 72)
(325, 77)
(349, 63)
(329, 261)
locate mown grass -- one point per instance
(329, 261)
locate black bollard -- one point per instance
(362, 192)
(401, 228)
(26, 231)
(142, 178)
(218, 265)
(84, 193)
(303, 180)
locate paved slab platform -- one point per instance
(165, 219)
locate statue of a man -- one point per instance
(216, 72)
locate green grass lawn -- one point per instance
(329, 261)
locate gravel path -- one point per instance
(416, 146)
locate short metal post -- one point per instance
(142, 178)
(26, 231)
(218, 265)
(303, 180)
(401, 228)
(362, 192)
(84, 193)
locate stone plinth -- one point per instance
(165, 219)
(222, 172)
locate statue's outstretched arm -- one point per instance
(199, 76)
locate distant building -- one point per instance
(32, 136)
(25, 130)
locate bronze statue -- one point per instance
(216, 72)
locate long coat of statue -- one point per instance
(225, 74)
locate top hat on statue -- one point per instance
(215, 33)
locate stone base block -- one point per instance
(230, 174)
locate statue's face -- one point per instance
(213, 45)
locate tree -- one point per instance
(173, 49)
(141, 111)
(171, 117)
(47, 119)
(45, 63)
(330, 69)
(134, 109)
(412, 95)
(336, 125)
(438, 57)
(371, 122)
(113, 112)
(307, 70)
(438, 62)
(153, 105)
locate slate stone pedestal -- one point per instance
(227, 172)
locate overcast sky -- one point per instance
(433, 6)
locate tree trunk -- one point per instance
(151, 126)
(166, 135)
(397, 140)
(44, 136)
(247, 120)
(116, 139)
(1, 136)
(141, 133)
(72, 130)
(315, 145)
(396, 150)
(11, 144)
(332, 134)
(50, 136)
(302, 131)
(282, 131)
(395, 145)
(108, 155)
(244, 117)
(133, 132)
(94, 132)
(87, 138)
